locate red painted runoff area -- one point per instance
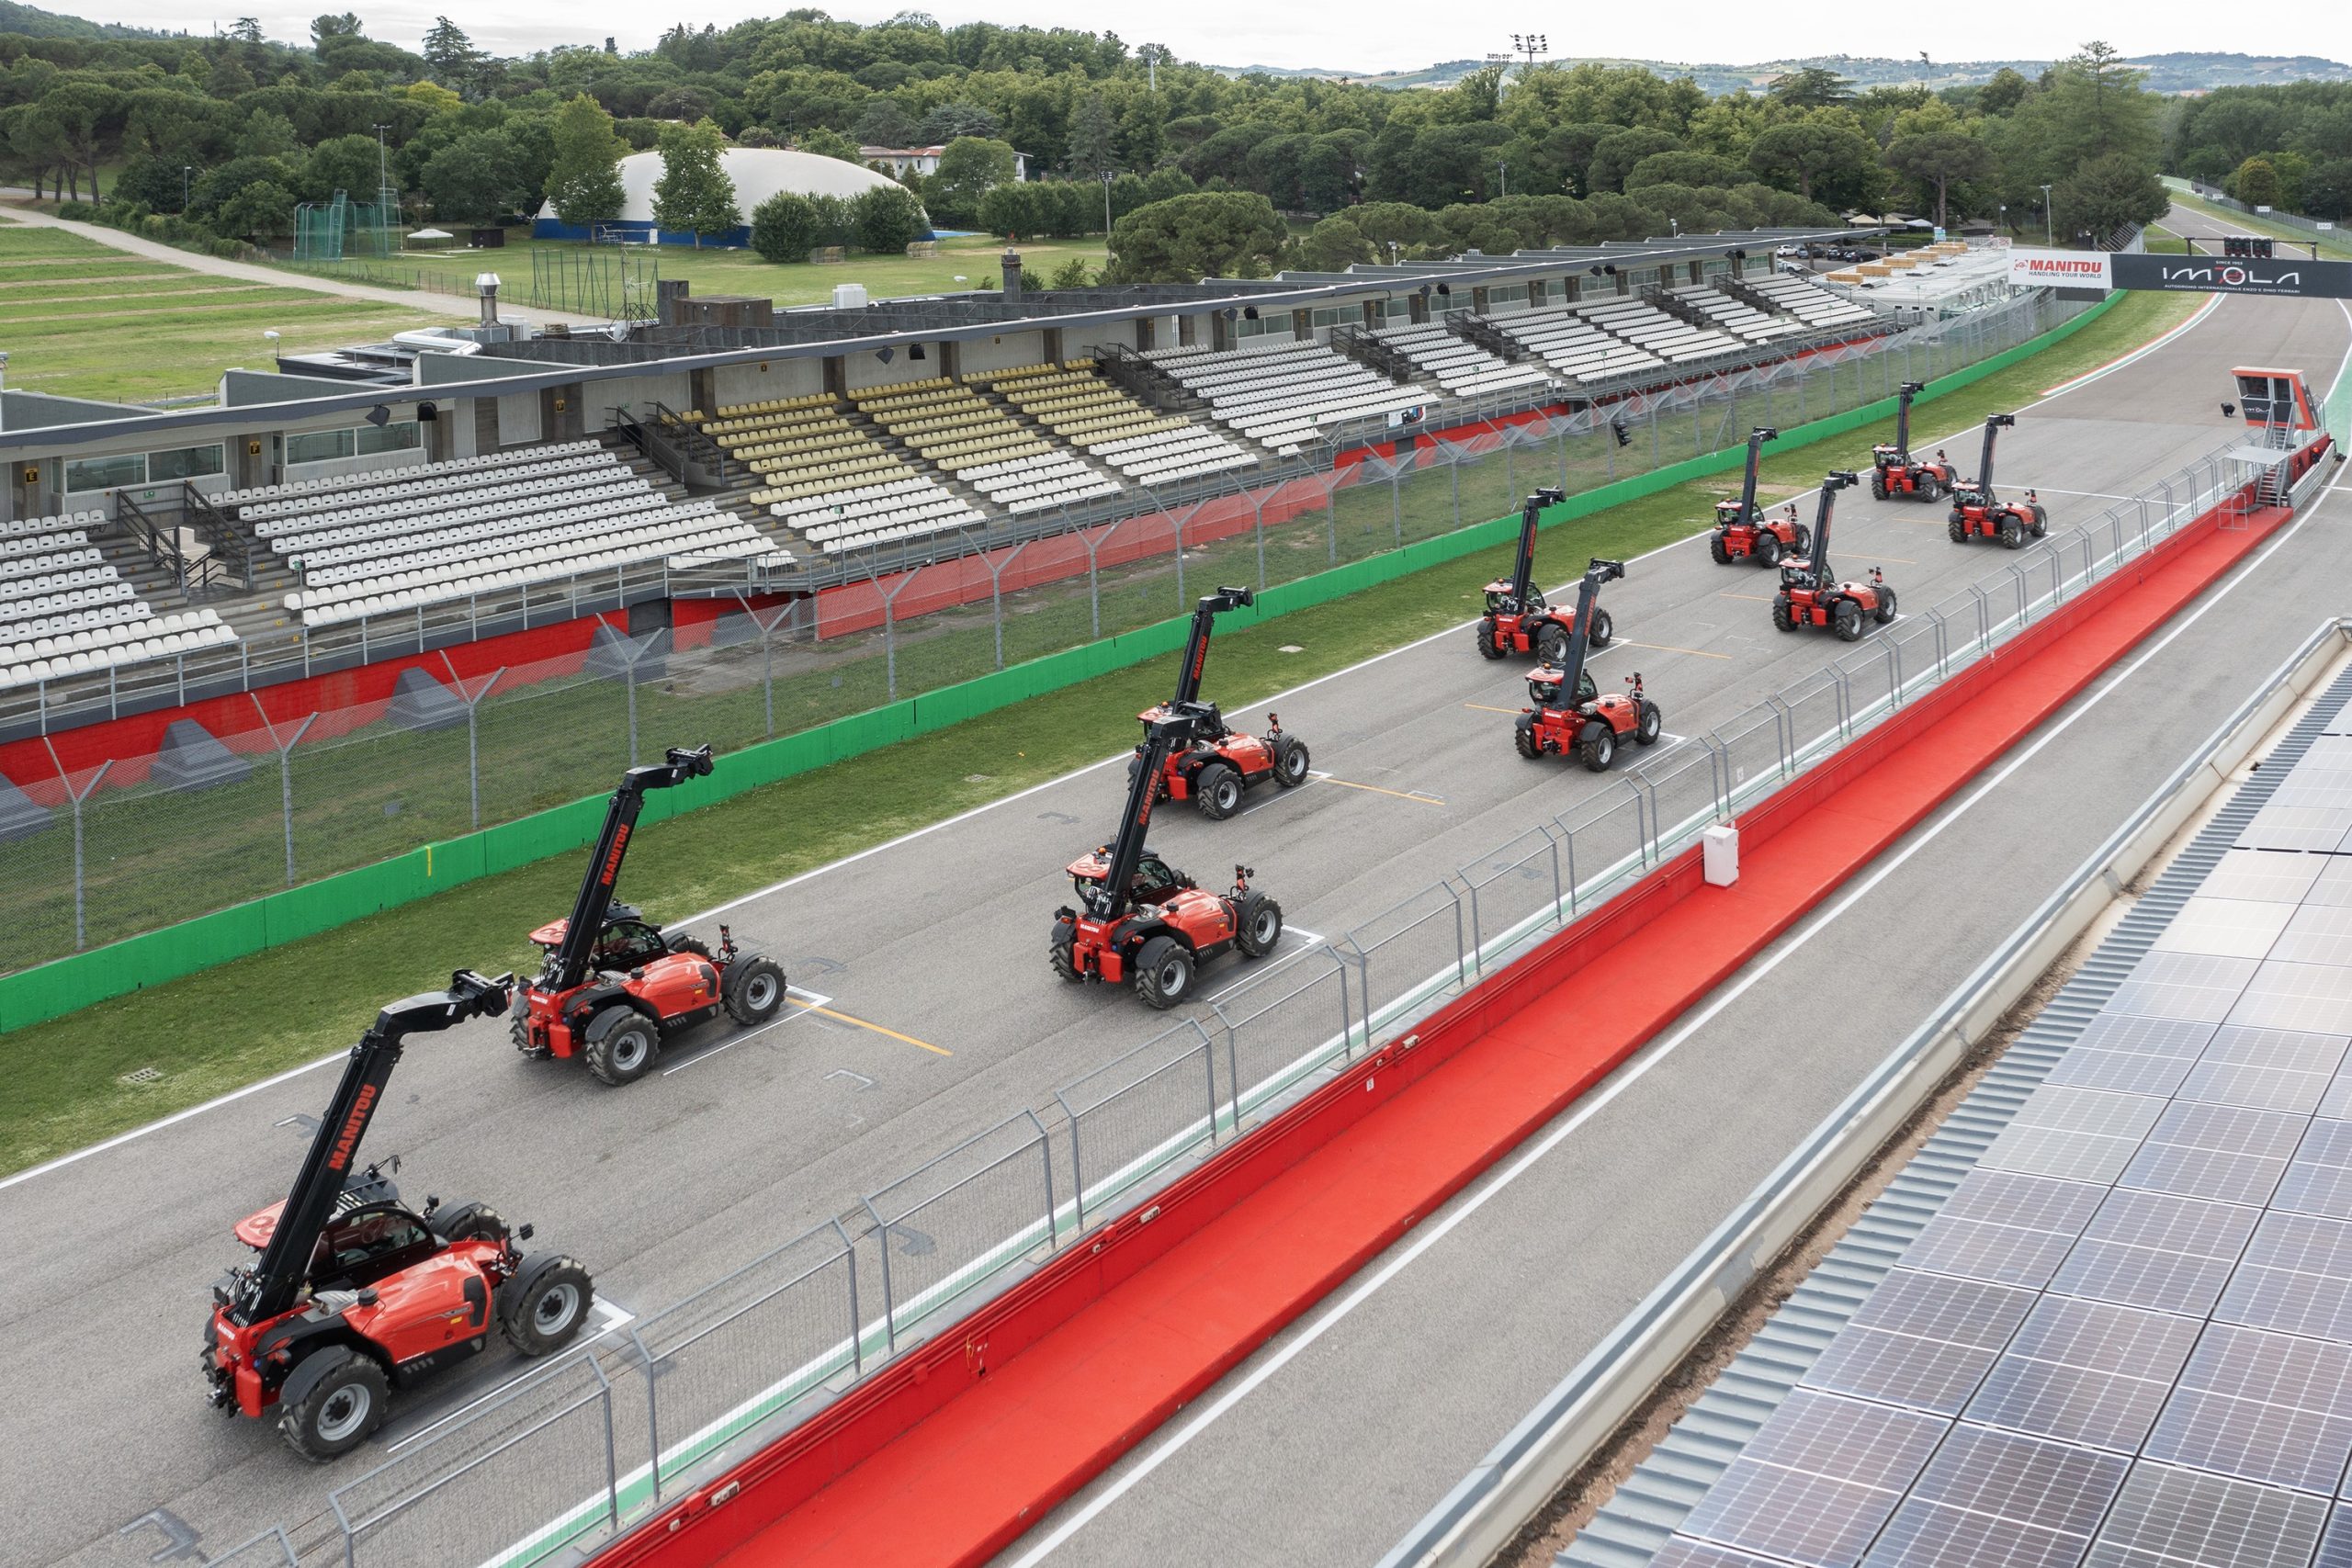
(949, 1454)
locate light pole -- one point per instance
(383, 181)
(1392, 252)
(1504, 169)
(1106, 204)
(2049, 224)
(2004, 218)
(186, 170)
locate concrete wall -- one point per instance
(982, 356)
(767, 380)
(865, 370)
(519, 419)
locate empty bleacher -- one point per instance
(1283, 397)
(377, 543)
(66, 611)
(952, 426)
(1810, 303)
(829, 480)
(1575, 347)
(1101, 420)
(1673, 340)
(1740, 319)
(1460, 366)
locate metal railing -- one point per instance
(734, 1366)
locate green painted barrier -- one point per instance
(52, 989)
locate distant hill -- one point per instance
(2176, 72)
(28, 21)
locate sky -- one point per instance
(1400, 37)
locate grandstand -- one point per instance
(306, 524)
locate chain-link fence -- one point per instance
(569, 1452)
(101, 850)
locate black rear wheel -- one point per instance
(2012, 533)
(545, 1304)
(468, 1222)
(1216, 791)
(1768, 549)
(1163, 972)
(1291, 762)
(622, 1043)
(1957, 530)
(1885, 611)
(1604, 630)
(1485, 632)
(1878, 484)
(1846, 621)
(1552, 643)
(1804, 542)
(753, 989)
(1785, 613)
(679, 941)
(1524, 737)
(340, 1410)
(1261, 926)
(1061, 951)
(1718, 547)
(2040, 521)
(1597, 746)
(1652, 725)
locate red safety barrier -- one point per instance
(947, 1455)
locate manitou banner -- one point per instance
(2060, 269)
(2213, 274)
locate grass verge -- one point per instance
(2332, 245)
(220, 1030)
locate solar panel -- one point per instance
(2235, 927)
(2263, 1406)
(2309, 828)
(2319, 1179)
(2269, 1069)
(2153, 1249)
(2000, 1497)
(2336, 1546)
(1817, 1479)
(2192, 985)
(2159, 1036)
(1683, 1552)
(2254, 874)
(2296, 1276)
(2005, 1228)
(1923, 1340)
(2084, 1134)
(2165, 1518)
(2332, 887)
(2316, 934)
(2312, 996)
(2085, 1371)
(2230, 1154)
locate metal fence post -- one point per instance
(285, 749)
(474, 732)
(80, 931)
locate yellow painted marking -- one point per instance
(861, 1023)
(1414, 796)
(1669, 647)
(1759, 598)
(1483, 708)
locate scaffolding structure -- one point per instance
(618, 282)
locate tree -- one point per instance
(2108, 194)
(1333, 245)
(688, 104)
(585, 179)
(694, 193)
(1812, 87)
(1685, 169)
(325, 31)
(2256, 183)
(228, 79)
(268, 135)
(154, 183)
(257, 211)
(1211, 233)
(455, 61)
(886, 219)
(830, 144)
(1935, 159)
(474, 179)
(784, 228)
(968, 169)
(1091, 133)
(883, 122)
(1614, 156)
(1072, 274)
(2327, 190)
(950, 121)
(1011, 211)
(1827, 161)
(245, 30)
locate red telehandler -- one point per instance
(1811, 597)
(353, 1292)
(1978, 513)
(1742, 532)
(1894, 472)
(1212, 765)
(612, 984)
(1141, 922)
(1587, 723)
(1517, 619)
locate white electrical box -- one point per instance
(849, 297)
(1719, 854)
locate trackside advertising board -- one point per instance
(2060, 269)
(2213, 275)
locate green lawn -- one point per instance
(2336, 245)
(84, 319)
(736, 271)
(278, 1009)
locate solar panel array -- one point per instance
(2125, 1339)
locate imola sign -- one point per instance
(2213, 274)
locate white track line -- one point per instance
(1626, 1076)
(1306, 944)
(617, 1317)
(808, 999)
(1455, 630)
